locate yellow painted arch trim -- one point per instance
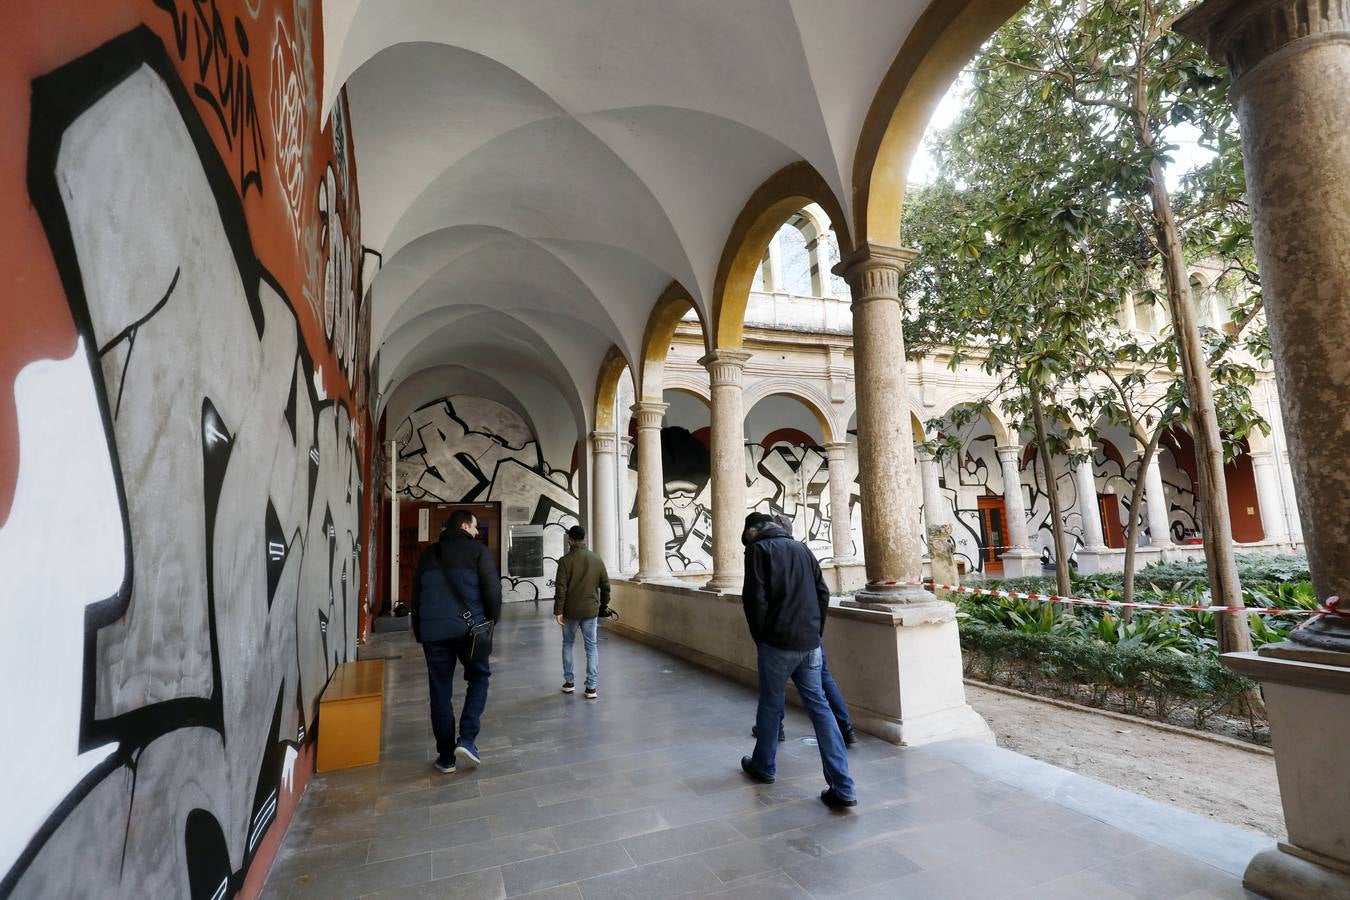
(942, 42)
(784, 192)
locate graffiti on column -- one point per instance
(788, 478)
(210, 496)
(468, 450)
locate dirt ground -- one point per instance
(1201, 776)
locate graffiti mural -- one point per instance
(209, 497)
(788, 478)
(471, 450)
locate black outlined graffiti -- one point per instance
(224, 82)
(466, 450)
(238, 494)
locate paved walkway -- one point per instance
(639, 795)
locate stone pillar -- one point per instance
(393, 527)
(775, 266)
(1094, 543)
(1268, 497)
(1159, 510)
(1290, 65)
(921, 669)
(1291, 509)
(1019, 560)
(651, 492)
(624, 503)
(604, 507)
(836, 455)
(726, 368)
(934, 509)
(892, 545)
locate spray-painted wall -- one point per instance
(183, 450)
(471, 450)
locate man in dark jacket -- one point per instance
(454, 577)
(580, 592)
(785, 601)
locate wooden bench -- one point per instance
(350, 711)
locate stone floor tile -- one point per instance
(838, 874)
(769, 886)
(655, 881)
(766, 854)
(484, 885)
(542, 817)
(563, 868)
(341, 884)
(438, 837)
(496, 852)
(607, 828)
(687, 839)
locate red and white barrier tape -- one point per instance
(1330, 608)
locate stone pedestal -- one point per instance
(1307, 696)
(726, 369)
(651, 493)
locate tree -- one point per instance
(1066, 139)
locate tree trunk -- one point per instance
(1132, 532)
(1062, 584)
(1225, 588)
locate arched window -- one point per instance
(796, 260)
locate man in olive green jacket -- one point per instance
(581, 591)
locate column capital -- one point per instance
(726, 367)
(1261, 457)
(1009, 452)
(604, 441)
(923, 453)
(649, 413)
(836, 450)
(873, 271)
(1245, 33)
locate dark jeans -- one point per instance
(832, 694)
(803, 667)
(441, 657)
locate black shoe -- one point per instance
(754, 733)
(850, 738)
(834, 801)
(747, 766)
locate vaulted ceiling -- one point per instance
(536, 174)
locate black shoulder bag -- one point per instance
(480, 633)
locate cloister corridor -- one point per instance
(639, 796)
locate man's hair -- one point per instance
(458, 519)
(576, 533)
(758, 520)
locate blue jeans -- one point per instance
(804, 668)
(441, 657)
(589, 629)
(832, 694)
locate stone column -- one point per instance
(892, 545)
(1268, 497)
(1094, 542)
(1290, 65)
(775, 266)
(836, 455)
(933, 512)
(1295, 525)
(651, 492)
(1159, 516)
(919, 670)
(1019, 560)
(624, 502)
(604, 508)
(393, 527)
(726, 369)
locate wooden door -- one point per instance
(410, 534)
(993, 533)
(1112, 530)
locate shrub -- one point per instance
(1136, 679)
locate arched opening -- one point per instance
(787, 467)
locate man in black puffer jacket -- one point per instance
(454, 576)
(785, 601)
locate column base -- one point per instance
(1287, 873)
(1021, 564)
(652, 577)
(1090, 560)
(884, 597)
(725, 584)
